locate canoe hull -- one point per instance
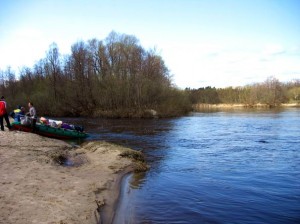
(48, 131)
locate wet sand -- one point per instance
(36, 186)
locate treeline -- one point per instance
(270, 92)
(114, 77)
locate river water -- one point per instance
(212, 167)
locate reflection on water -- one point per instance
(222, 167)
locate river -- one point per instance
(213, 167)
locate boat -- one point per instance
(48, 131)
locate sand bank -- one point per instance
(36, 188)
(201, 106)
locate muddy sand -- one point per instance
(45, 180)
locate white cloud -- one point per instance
(198, 65)
(273, 49)
(22, 48)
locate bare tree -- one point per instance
(53, 67)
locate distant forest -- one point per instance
(117, 77)
(270, 92)
(114, 77)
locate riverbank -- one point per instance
(45, 180)
(204, 106)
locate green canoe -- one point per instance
(48, 131)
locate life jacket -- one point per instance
(2, 108)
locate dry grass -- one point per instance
(139, 160)
(132, 154)
(140, 167)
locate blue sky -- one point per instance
(203, 42)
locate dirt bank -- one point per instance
(201, 106)
(36, 186)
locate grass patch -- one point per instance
(132, 154)
(139, 160)
(140, 167)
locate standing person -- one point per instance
(32, 111)
(3, 113)
(32, 114)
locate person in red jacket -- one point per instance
(3, 113)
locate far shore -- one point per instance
(46, 180)
(203, 106)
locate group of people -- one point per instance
(17, 113)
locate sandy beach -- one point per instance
(45, 180)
